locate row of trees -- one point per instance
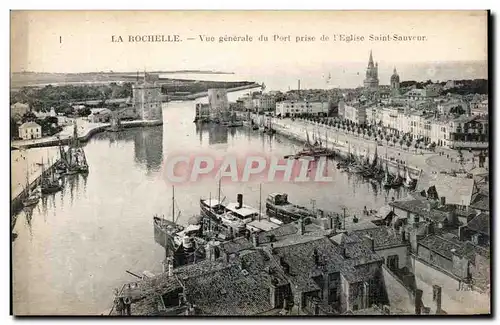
(374, 132)
(60, 97)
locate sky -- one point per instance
(81, 41)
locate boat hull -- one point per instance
(284, 215)
(50, 189)
(164, 237)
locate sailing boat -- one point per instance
(32, 197)
(409, 182)
(387, 181)
(50, 184)
(169, 234)
(398, 181)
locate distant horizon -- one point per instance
(218, 71)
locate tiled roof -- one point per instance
(29, 125)
(236, 245)
(440, 245)
(480, 201)
(480, 224)
(240, 289)
(303, 267)
(421, 207)
(383, 237)
(448, 247)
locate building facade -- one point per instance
(290, 108)
(30, 130)
(355, 113)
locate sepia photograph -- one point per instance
(276, 163)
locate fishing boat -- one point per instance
(32, 197)
(398, 180)
(74, 158)
(278, 207)
(170, 235)
(50, 183)
(409, 182)
(387, 181)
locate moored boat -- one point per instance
(278, 207)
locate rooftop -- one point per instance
(383, 236)
(480, 224)
(421, 207)
(29, 125)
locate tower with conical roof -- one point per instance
(395, 83)
(371, 80)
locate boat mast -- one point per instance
(173, 205)
(219, 189)
(260, 200)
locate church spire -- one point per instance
(370, 60)
(395, 72)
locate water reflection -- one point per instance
(216, 133)
(148, 147)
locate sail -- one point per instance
(308, 140)
(375, 158)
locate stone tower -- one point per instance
(371, 80)
(395, 83)
(219, 104)
(147, 99)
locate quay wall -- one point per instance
(89, 133)
(17, 198)
(341, 149)
(205, 93)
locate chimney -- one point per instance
(436, 296)
(443, 200)
(418, 302)
(301, 226)
(370, 242)
(461, 233)
(170, 266)
(240, 201)
(255, 240)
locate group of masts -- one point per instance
(376, 170)
(72, 161)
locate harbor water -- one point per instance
(74, 247)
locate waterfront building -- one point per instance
(146, 99)
(371, 81)
(99, 115)
(356, 112)
(267, 103)
(468, 132)
(291, 108)
(219, 104)
(30, 130)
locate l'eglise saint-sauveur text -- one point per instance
(379, 38)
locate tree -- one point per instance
(401, 143)
(28, 117)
